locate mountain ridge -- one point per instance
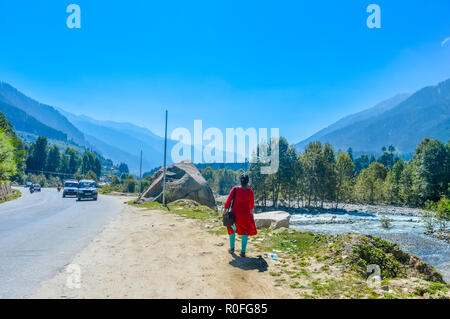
(425, 113)
(22, 121)
(44, 113)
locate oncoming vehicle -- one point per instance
(37, 187)
(28, 184)
(70, 188)
(87, 189)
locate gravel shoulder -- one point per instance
(147, 252)
(152, 254)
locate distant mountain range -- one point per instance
(27, 123)
(45, 114)
(402, 121)
(120, 142)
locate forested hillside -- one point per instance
(21, 121)
(45, 114)
(424, 113)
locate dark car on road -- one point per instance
(37, 187)
(70, 188)
(87, 189)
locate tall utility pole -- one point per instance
(140, 176)
(164, 170)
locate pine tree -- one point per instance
(53, 159)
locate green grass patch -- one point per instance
(219, 231)
(275, 274)
(325, 268)
(295, 242)
(183, 207)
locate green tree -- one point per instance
(344, 169)
(123, 168)
(350, 153)
(369, 185)
(8, 165)
(387, 158)
(123, 177)
(115, 180)
(130, 184)
(53, 159)
(226, 180)
(258, 180)
(327, 183)
(90, 162)
(91, 175)
(38, 151)
(392, 183)
(432, 161)
(409, 191)
(74, 160)
(437, 213)
(20, 153)
(313, 169)
(361, 163)
(443, 212)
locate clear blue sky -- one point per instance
(296, 65)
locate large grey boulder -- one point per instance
(274, 220)
(183, 181)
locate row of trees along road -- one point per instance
(48, 165)
(320, 175)
(12, 150)
(51, 161)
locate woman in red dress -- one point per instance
(244, 223)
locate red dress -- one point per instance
(243, 205)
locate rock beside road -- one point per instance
(183, 181)
(274, 220)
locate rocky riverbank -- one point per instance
(406, 229)
(441, 235)
(129, 260)
(349, 208)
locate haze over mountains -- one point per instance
(402, 121)
(45, 114)
(23, 122)
(121, 142)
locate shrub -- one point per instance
(386, 222)
(437, 213)
(374, 250)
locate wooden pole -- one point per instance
(165, 157)
(140, 176)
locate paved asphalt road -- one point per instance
(41, 233)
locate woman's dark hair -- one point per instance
(244, 179)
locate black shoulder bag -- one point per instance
(228, 218)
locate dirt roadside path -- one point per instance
(153, 254)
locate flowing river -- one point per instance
(407, 230)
